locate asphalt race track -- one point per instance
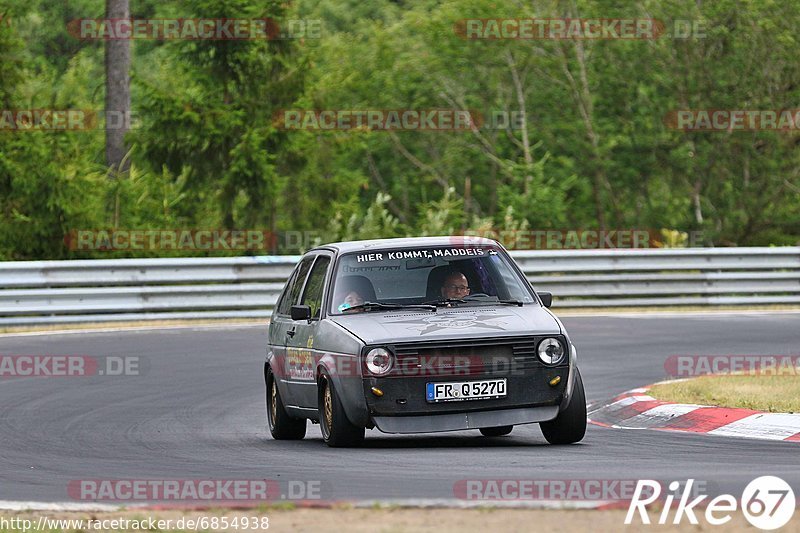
(198, 413)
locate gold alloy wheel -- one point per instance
(328, 407)
(273, 407)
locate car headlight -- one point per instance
(551, 351)
(379, 361)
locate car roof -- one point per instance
(406, 242)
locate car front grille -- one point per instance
(467, 358)
(529, 382)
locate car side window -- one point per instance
(294, 286)
(312, 296)
(282, 305)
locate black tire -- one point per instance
(496, 432)
(337, 430)
(281, 425)
(570, 424)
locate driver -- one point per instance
(455, 286)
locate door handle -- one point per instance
(290, 332)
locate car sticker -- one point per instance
(417, 254)
(431, 324)
(299, 364)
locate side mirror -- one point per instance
(300, 312)
(546, 297)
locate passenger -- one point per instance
(351, 299)
(455, 286)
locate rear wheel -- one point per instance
(570, 424)
(337, 430)
(281, 425)
(496, 432)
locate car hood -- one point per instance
(466, 322)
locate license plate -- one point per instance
(465, 390)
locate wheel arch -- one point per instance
(349, 388)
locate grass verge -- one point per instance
(774, 394)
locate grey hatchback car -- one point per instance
(418, 335)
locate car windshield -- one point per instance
(434, 275)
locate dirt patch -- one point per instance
(371, 520)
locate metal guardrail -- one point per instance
(37, 292)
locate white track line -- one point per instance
(6, 505)
(411, 503)
(132, 329)
(450, 503)
(623, 314)
(677, 314)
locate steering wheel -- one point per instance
(478, 294)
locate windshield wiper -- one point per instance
(471, 300)
(486, 299)
(373, 306)
(445, 302)
(518, 303)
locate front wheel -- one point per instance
(337, 430)
(570, 424)
(496, 432)
(281, 425)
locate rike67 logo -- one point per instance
(768, 503)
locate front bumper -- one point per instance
(535, 391)
(462, 421)
(525, 389)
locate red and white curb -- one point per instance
(635, 409)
